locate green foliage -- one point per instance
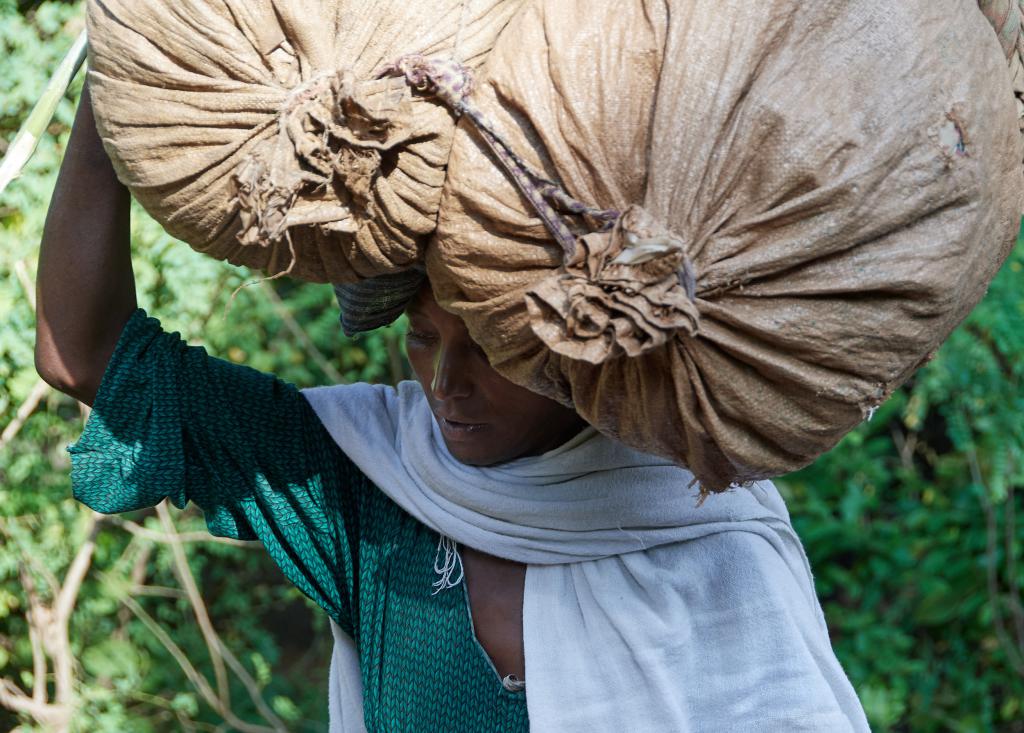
(126, 679)
(911, 528)
(911, 523)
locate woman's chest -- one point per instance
(495, 596)
(422, 657)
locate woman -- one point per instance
(592, 573)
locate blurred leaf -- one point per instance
(111, 659)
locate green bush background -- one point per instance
(911, 524)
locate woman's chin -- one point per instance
(478, 450)
(472, 443)
(473, 455)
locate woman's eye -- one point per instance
(420, 336)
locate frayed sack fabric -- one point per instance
(271, 134)
(726, 231)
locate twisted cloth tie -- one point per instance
(451, 83)
(626, 286)
(319, 169)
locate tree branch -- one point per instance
(300, 334)
(34, 620)
(42, 388)
(251, 687)
(59, 647)
(187, 580)
(193, 675)
(158, 591)
(906, 444)
(21, 271)
(38, 666)
(51, 580)
(219, 653)
(145, 533)
(47, 637)
(139, 571)
(65, 601)
(24, 413)
(12, 698)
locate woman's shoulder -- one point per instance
(366, 422)
(368, 418)
(363, 402)
(404, 390)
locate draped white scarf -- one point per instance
(643, 611)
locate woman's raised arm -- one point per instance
(86, 287)
(172, 422)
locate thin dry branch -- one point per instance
(41, 388)
(185, 577)
(39, 391)
(250, 686)
(48, 635)
(906, 444)
(140, 568)
(145, 533)
(34, 622)
(193, 675)
(65, 602)
(59, 647)
(158, 591)
(219, 652)
(38, 665)
(12, 698)
(21, 271)
(299, 334)
(187, 726)
(11, 538)
(31, 559)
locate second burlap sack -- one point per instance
(261, 131)
(842, 180)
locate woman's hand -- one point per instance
(86, 288)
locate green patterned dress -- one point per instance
(172, 422)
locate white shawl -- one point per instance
(642, 610)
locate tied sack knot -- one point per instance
(446, 79)
(624, 291)
(333, 134)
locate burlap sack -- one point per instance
(1007, 17)
(841, 180)
(249, 128)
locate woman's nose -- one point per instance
(451, 373)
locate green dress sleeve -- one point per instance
(172, 422)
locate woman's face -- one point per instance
(484, 418)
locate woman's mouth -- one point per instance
(459, 431)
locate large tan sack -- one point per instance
(843, 178)
(1007, 17)
(238, 122)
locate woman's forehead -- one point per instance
(423, 302)
(424, 305)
